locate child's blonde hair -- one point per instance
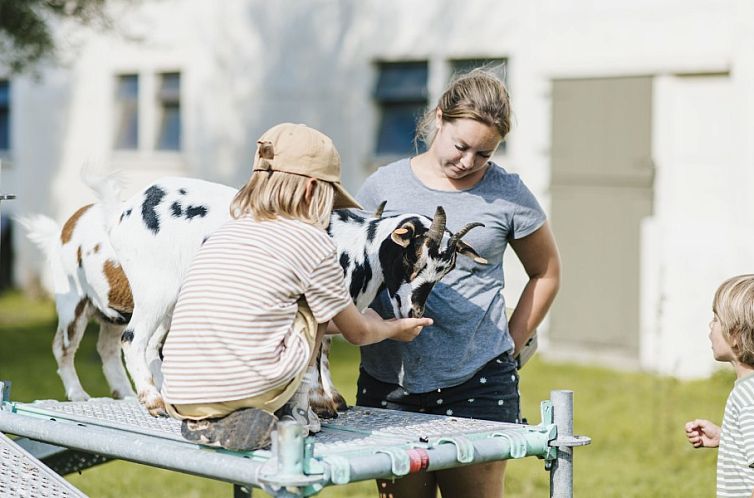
(734, 306)
(269, 194)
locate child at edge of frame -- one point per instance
(732, 338)
(255, 303)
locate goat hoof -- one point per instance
(325, 412)
(153, 403)
(81, 396)
(340, 403)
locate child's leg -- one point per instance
(297, 408)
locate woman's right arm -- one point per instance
(369, 327)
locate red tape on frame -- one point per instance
(418, 460)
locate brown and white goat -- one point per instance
(88, 283)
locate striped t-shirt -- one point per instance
(232, 331)
(735, 457)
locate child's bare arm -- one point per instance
(369, 328)
(703, 433)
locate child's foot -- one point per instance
(243, 430)
(307, 417)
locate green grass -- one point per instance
(635, 421)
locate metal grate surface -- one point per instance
(126, 415)
(22, 475)
(356, 430)
(410, 425)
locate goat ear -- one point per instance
(402, 235)
(468, 251)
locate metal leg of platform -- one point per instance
(242, 491)
(561, 474)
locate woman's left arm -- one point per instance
(539, 255)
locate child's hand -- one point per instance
(703, 433)
(406, 329)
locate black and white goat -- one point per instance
(157, 232)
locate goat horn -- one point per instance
(437, 229)
(463, 231)
(378, 213)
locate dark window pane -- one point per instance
(4, 115)
(127, 112)
(402, 81)
(170, 88)
(4, 129)
(401, 94)
(170, 129)
(397, 128)
(169, 101)
(4, 93)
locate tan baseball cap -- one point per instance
(298, 149)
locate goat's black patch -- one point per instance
(391, 260)
(152, 198)
(125, 214)
(176, 209)
(194, 211)
(128, 336)
(372, 230)
(345, 215)
(420, 294)
(122, 318)
(182, 191)
(360, 278)
(344, 261)
(398, 263)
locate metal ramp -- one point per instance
(361, 444)
(22, 475)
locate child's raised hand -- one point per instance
(406, 329)
(703, 433)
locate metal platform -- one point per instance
(361, 444)
(22, 475)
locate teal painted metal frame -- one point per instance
(297, 465)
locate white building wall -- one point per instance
(248, 64)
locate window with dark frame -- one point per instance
(127, 112)
(401, 95)
(169, 112)
(4, 115)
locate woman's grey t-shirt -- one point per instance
(467, 306)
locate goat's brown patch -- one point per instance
(78, 256)
(119, 297)
(72, 326)
(67, 232)
(96, 248)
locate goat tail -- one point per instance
(107, 189)
(43, 231)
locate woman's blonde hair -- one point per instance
(269, 194)
(479, 95)
(734, 306)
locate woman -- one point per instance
(465, 364)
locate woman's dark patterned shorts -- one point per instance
(491, 394)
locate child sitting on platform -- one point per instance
(257, 297)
